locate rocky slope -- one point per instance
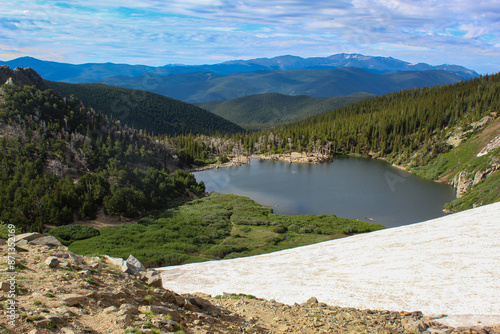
(21, 77)
(57, 291)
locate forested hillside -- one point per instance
(271, 110)
(156, 114)
(412, 128)
(61, 160)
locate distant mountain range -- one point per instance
(336, 75)
(206, 86)
(84, 73)
(263, 111)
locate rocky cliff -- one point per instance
(21, 77)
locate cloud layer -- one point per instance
(158, 32)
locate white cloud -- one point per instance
(192, 31)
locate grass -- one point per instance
(463, 158)
(215, 227)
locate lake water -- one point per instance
(364, 189)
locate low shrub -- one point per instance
(70, 233)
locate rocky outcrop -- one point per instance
(297, 157)
(492, 145)
(21, 77)
(464, 180)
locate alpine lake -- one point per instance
(365, 189)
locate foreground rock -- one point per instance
(61, 292)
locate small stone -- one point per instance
(96, 266)
(155, 281)
(5, 286)
(179, 300)
(73, 299)
(110, 309)
(124, 320)
(33, 331)
(54, 318)
(312, 301)
(76, 259)
(127, 309)
(52, 261)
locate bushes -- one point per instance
(220, 251)
(69, 233)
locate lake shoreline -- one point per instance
(294, 157)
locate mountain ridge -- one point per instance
(201, 87)
(93, 72)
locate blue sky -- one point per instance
(156, 32)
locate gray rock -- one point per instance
(76, 259)
(136, 264)
(22, 242)
(27, 236)
(2, 242)
(52, 261)
(46, 241)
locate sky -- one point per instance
(194, 32)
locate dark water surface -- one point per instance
(364, 189)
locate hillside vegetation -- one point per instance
(256, 112)
(60, 160)
(215, 227)
(156, 114)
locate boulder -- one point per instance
(136, 264)
(115, 260)
(46, 241)
(52, 261)
(27, 236)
